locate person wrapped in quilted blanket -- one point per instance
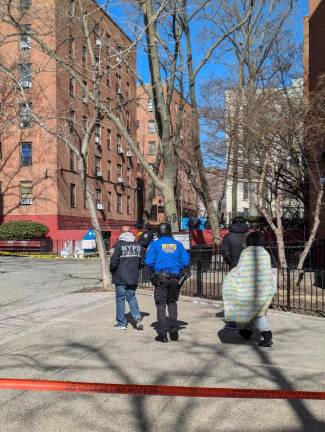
(248, 290)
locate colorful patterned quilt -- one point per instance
(248, 289)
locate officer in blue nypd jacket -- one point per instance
(168, 259)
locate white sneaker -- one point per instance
(119, 327)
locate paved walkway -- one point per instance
(71, 337)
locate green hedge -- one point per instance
(23, 230)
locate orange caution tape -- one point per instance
(155, 390)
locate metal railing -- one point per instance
(302, 291)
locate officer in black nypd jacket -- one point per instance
(168, 259)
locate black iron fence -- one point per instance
(297, 290)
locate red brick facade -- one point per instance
(314, 68)
(34, 156)
(147, 138)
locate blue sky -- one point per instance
(120, 14)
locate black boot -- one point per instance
(267, 339)
(174, 334)
(162, 337)
(245, 333)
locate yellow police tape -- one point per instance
(22, 254)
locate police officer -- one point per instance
(168, 259)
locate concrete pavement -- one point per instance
(62, 334)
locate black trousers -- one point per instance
(166, 294)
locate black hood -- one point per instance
(239, 228)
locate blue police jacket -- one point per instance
(167, 254)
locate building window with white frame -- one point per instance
(25, 42)
(72, 195)
(119, 206)
(25, 115)
(26, 192)
(152, 148)
(151, 126)
(128, 205)
(26, 75)
(26, 154)
(150, 105)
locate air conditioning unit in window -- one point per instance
(97, 139)
(120, 150)
(100, 206)
(119, 91)
(26, 84)
(120, 180)
(98, 42)
(99, 174)
(129, 154)
(25, 44)
(26, 201)
(84, 99)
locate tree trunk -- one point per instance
(150, 194)
(99, 239)
(170, 205)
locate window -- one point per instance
(25, 42)
(153, 213)
(109, 139)
(109, 201)
(26, 193)
(72, 120)
(138, 124)
(128, 174)
(71, 46)
(246, 212)
(119, 170)
(84, 124)
(24, 4)
(127, 119)
(25, 154)
(97, 133)
(108, 77)
(118, 54)
(138, 102)
(109, 170)
(98, 196)
(25, 111)
(26, 75)
(118, 142)
(72, 160)
(72, 195)
(118, 87)
(151, 126)
(152, 148)
(150, 105)
(128, 205)
(246, 191)
(84, 92)
(128, 89)
(0, 150)
(84, 56)
(71, 10)
(97, 166)
(119, 207)
(71, 86)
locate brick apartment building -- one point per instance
(314, 68)
(147, 139)
(38, 173)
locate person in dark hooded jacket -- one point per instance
(125, 264)
(233, 243)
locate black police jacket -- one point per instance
(126, 262)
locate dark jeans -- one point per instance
(166, 294)
(122, 293)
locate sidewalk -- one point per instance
(72, 338)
